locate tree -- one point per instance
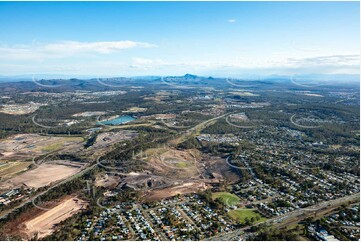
(247, 221)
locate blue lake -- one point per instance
(118, 120)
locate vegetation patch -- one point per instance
(9, 169)
(182, 164)
(226, 198)
(51, 147)
(60, 142)
(247, 216)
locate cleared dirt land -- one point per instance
(9, 169)
(172, 162)
(183, 171)
(43, 224)
(40, 176)
(27, 146)
(107, 181)
(189, 187)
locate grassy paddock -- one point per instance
(240, 215)
(227, 198)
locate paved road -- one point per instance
(150, 221)
(198, 127)
(295, 215)
(5, 213)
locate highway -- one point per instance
(291, 217)
(196, 128)
(5, 213)
(282, 220)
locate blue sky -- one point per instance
(174, 38)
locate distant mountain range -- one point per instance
(187, 78)
(311, 77)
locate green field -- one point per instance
(59, 143)
(227, 198)
(10, 169)
(52, 147)
(182, 164)
(240, 215)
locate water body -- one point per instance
(118, 120)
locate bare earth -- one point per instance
(24, 147)
(10, 169)
(189, 187)
(173, 162)
(107, 181)
(40, 176)
(43, 224)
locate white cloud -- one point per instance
(144, 61)
(134, 66)
(231, 21)
(333, 60)
(67, 49)
(146, 64)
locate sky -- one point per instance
(174, 38)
